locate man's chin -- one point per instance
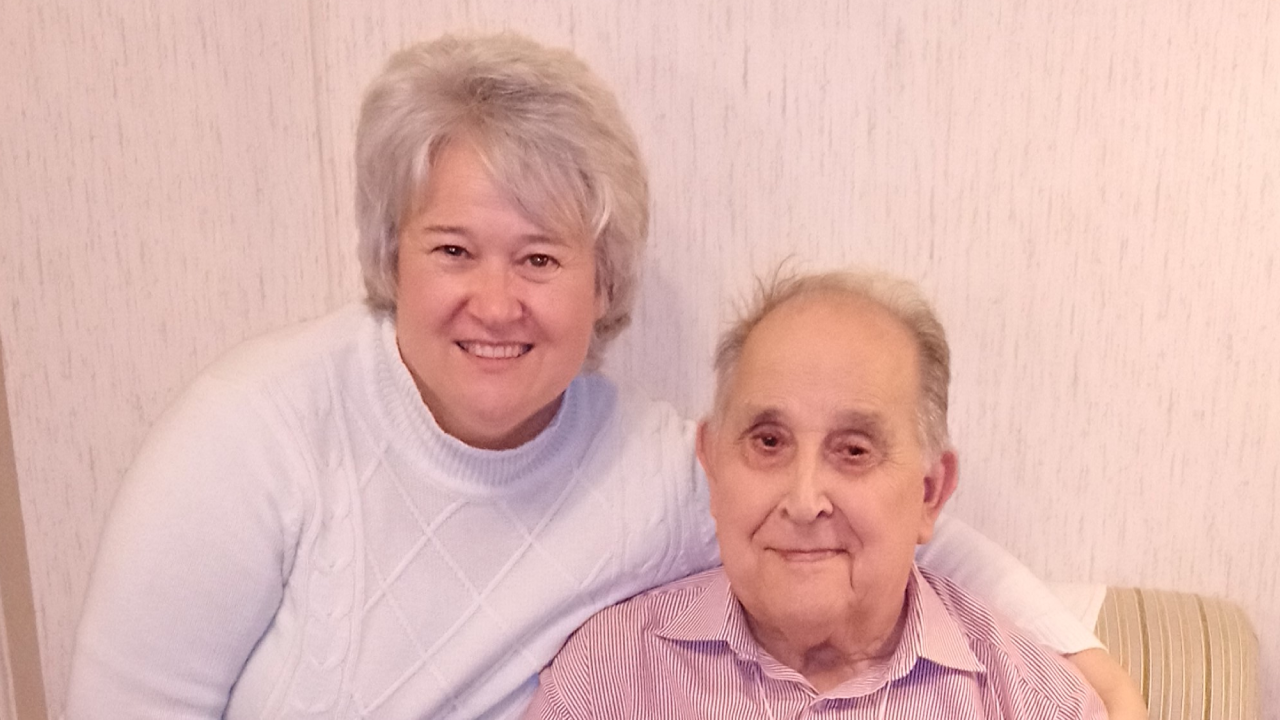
(812, 623)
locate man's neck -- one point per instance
(836, 652)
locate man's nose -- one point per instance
(806, 499)
(495, 297)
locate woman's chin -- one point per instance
(501, 426)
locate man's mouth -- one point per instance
(807, 555)
(494, 351)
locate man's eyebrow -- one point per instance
(869, 423)
(865, 420)
(758, 414)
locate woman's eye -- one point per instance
(456, 251)
(541, 261)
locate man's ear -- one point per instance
(940, 482)
(706, 457)
(704, 450)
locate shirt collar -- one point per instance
(714, 615)
(930, 633)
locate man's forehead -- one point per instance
(829, 326)
(846, 354)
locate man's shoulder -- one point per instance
(651, 611)
(976, 621)
(1012, 660)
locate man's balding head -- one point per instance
(900, 298)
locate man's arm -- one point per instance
(986, 570)
(1116, 688)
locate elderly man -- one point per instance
(827, 460)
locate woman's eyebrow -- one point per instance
(527, 238)
(444, 229)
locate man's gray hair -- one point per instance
(901, 298)
(550, 133)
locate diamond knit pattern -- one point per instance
(299, 539)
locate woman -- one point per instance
(402, 509)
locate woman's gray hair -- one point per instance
(550, 133)
(901, 298)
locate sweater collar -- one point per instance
(549, 457)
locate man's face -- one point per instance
(819, 483)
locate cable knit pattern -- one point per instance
(299, 539)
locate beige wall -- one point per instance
(1089, 190)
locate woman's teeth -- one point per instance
(500, 351)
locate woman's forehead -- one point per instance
(547, 193)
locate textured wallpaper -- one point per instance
(1089, 191)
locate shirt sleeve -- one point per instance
(544, 707)
(191, 566)
(1094, 709)
(566, 686)
(987, 570)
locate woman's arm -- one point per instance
(190, 568)
(987, 570)
(1116, 688)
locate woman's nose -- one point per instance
(495, 296)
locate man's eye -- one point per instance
(768, 441)
(855, 454)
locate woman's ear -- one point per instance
(940, 481)
(602, 303)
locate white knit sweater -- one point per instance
(298, 538)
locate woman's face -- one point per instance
(494, 314)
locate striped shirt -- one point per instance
(684, 651)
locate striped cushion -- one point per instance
(1194, 657)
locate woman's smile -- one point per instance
(494, 351)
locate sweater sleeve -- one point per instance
(690, 509)
(192, 562)
(987, 570)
